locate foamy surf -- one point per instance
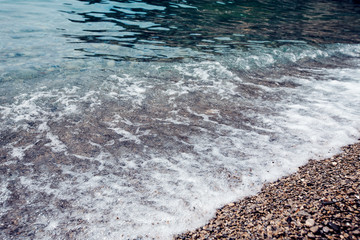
(152, 149)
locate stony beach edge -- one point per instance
(319, 201)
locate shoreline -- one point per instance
(319, 201)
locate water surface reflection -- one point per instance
(162, 30)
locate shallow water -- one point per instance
(137, 119)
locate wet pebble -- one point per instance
(310, 222)
(322, 192)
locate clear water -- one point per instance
(137, 119)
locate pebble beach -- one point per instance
(124, 120)
(320, 201)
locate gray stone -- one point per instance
(310, 222)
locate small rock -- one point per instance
(310, 222)
(231, 204)
(334, 163)
(326, 229)
(303, 213)
(218, 222)
(314, 229)
(325, 202)
(335, 227)
(311, 235)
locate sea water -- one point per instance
(138, 119)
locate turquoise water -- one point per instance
(137, 119)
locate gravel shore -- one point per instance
(320, 201)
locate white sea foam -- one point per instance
(19, 152)
(55, 144)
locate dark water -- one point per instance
(163, 30)
(211, 26)
(137, 119)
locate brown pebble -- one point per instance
(311, 235)
(290, 208)
(314, 229)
